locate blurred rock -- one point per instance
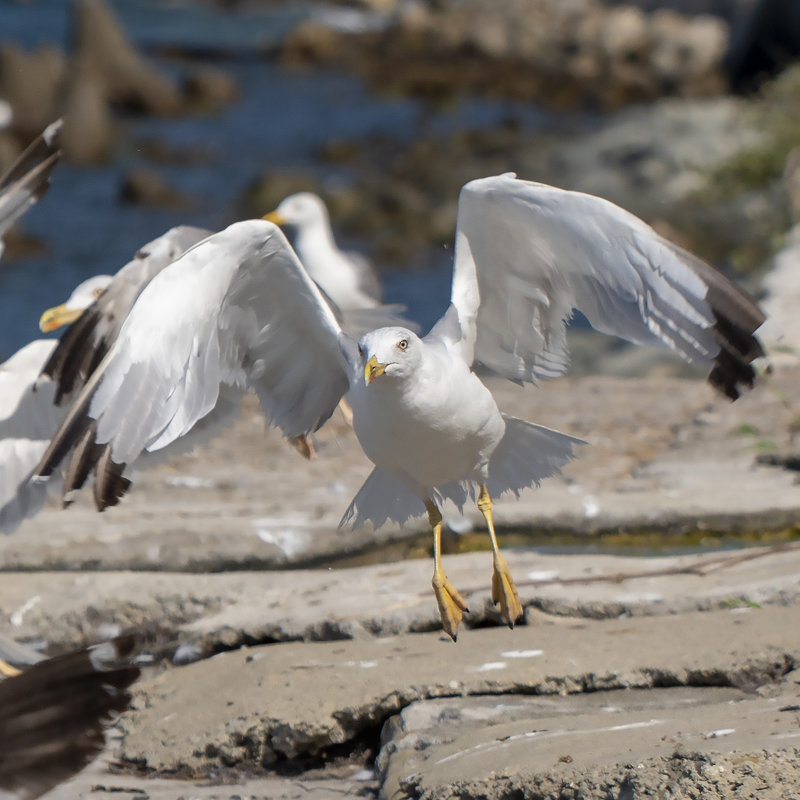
(148, 188)
(30, 82)
(89, 132)
(782, 285)
(210, 89)
(765, 38)
(129, 80)
(560, 54)
(652, 160)
(791, 180)
(104, 72)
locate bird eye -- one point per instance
(402, 344)
(97, 292)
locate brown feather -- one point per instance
(53, 715)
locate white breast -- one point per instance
(440, 426)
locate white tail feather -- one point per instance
(383, 498)
(526, 455)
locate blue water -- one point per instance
(281, 122)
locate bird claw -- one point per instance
(505, 593)
(451, 604)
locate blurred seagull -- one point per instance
(29, 415)
(84, 345)
(53, 714)
(239, 310)
(347, 278)
(36, 382)
(28, 178)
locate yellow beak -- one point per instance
(55, 317)
(274, 217)
(373, 369)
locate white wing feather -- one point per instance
(527, 254)
(239, 309)
(28, 418)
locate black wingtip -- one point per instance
(110, 484)
(733, 370)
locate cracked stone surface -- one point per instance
(700, 702)
(537, 746)
(221, 611)
(264, 704)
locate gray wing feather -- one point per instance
(85, 343)
(527, 255)
(236, 309)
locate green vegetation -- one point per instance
(742, 214)
(738, 602)
(746, 430)
(777, 113)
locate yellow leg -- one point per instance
(451, 604)
(503, 589)
(7, 670)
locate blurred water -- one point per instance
(282, 121)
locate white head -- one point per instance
(302, 210)
(83, 295)
(394, 352)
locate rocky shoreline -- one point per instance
(657, 673)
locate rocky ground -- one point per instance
(632, 675)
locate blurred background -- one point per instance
(202, 112)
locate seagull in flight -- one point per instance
(239, 310)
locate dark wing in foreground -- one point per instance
(86, 342)
(53, 716)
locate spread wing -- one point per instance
(237, 309)
(28, 178)
(88, 339)
(528, 254)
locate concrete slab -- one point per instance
(255, 707)
(208, 613)
(492, 747)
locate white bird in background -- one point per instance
(37, 380)
(29, 415)
(86, 342)
(239, 310)
(346, 277)
(27, 420)
(28, 178)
